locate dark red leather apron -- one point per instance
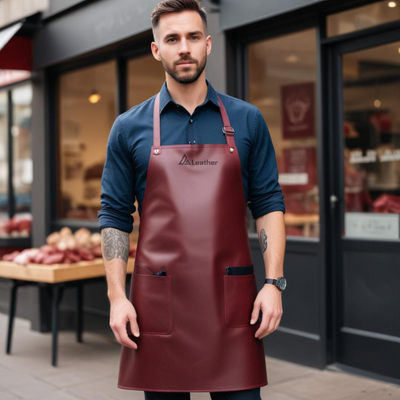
(195, 332)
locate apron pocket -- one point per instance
(151, 297)
(240, 292)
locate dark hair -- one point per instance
(170, 6)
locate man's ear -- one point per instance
(209, 44)
(155, 50)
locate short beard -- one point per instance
(188, 79)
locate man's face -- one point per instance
(182, 45)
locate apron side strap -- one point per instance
(227, 129)
(156, 122)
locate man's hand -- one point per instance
(115, 248)
(122, 311)
(269, 300)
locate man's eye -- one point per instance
(170, 39)
(195, 37)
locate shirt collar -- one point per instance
(166, 98)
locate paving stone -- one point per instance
(280, 371)
(55, 395)
(328, 385)
(6, 395)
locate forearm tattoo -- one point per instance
(263, 240)
(115, 243)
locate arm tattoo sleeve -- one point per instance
(263, 240)
(115, 243)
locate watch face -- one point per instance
(281, 283)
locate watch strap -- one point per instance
(273, 281)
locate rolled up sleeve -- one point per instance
(117, 183)
(265, 194)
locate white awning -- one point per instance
(7, 33)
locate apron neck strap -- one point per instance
(227, 129)
(156, 122)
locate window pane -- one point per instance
(282, 84)
(22, 153)
(371, 94)
(145, 78)
(3, 157)
(87, 112)
(363, 17)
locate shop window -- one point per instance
(22, 152)
(364, 17)
(16, 170)
(282, 84)
(3, 157)
(145, 77)
(87, 110)
(371, 136)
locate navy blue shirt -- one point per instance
(131, 137)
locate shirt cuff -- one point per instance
(265, 205)
(108, 219)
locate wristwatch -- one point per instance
(280, 283)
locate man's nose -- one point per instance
(184, 48)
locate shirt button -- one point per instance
(190, 120)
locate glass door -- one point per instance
(371, 142)
(365, 203)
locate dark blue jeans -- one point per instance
(250, 394)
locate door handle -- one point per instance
(333, 199)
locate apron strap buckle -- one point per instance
(228, 130)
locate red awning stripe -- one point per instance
(15, 51)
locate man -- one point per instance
(194, 158)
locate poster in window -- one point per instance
(298, 110)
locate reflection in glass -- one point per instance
(83, 130)
(145, 78)
(22, 153)
(364, 17)
(3, 157)
(371, 95)
(282, 84)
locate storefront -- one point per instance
(17, 27)
(326, 77)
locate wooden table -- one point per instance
(57, 277)
(309, 222)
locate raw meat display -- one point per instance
(16, 227)
(63, 247)
(387, 203)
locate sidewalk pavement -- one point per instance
(89, 371)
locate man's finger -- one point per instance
(271, 325)
(124, 338)
(266, 317)
(133, 325)
(255, 313)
